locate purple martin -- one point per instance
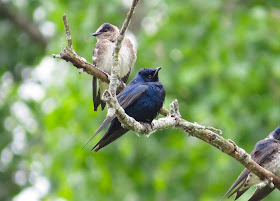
(267, 155)
(142, 99)
(106, 36)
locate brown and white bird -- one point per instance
(267, 155)
(106, 36)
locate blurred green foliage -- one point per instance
(220, 59)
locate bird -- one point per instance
(106, 36)
(267, 154)
(141, 99)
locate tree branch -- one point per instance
(115, 70)
(172, 118)
(207, 134)
(68, 54)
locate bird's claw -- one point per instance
(270, 182)
(80, 70)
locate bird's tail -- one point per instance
(261, 193)
(109, 138)
(102, 87)
(238, 186)
(96, 95)
(103, 125)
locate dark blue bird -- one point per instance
(267, 155)
(142, 99)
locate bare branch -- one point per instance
(205, 133)
(115, 70)
(68, 54)
(128, 17)
(68, 33)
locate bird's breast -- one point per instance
(102, 57)
(148, 105)
(126, 60)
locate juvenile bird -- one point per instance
(142, 99)
(267, 155)
(106, 36)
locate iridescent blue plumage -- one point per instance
(142, 99)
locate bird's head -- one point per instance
(276, 133)
(149, 74)
(106, 31)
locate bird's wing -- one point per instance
(241, 179)
(94, 88)
(96, 95)
(108, 138)
(132, 58)
(126, 98)
(98, 52)
(131, 94)
(103, 125)
(261, 193)
(262, 151)
(125, 78)
(94, 79)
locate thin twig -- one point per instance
(128, 18)
(112, 103)
(68, 33)
(68, 54)
(115, 70)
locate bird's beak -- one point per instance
(157, 69)
(96, 33)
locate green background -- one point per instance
(220, 60)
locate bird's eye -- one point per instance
(150, 76)
(104, 30)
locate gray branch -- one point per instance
(115, 70)
(172, 118)
(205, 133)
